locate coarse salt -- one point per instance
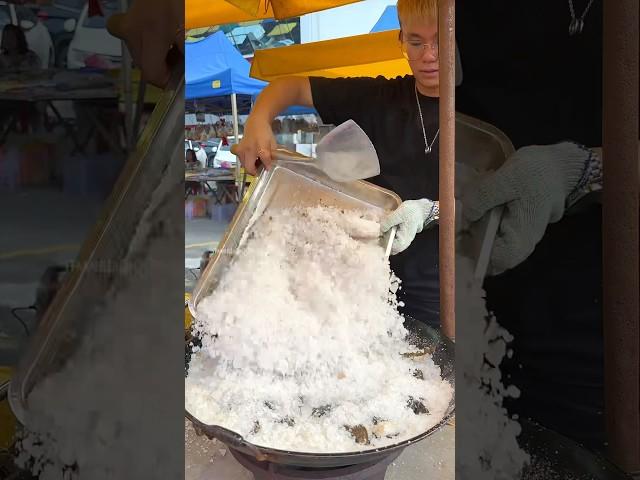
(302, 341)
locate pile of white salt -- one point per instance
(302, 343)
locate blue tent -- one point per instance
(388, 20)
(214, 68)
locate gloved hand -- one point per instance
(411, 217)
(533, 185)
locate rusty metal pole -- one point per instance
(620, 232)
(447, 57)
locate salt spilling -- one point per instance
(302, 344)
(487, 447)
(91, 419)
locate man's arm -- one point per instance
(258, 139)
(151, 30)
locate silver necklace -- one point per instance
(427, 146)
(577, 23)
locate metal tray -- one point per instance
(61, 329)
(292, 182)
(485, 148)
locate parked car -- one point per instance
(224, 158)
(61, 18)
(201, 155)
(38, 38)
(211, 148)
(92, 45)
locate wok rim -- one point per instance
(274, 454)
(268, 451)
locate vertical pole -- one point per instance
(236, 130)
(446, 29)
(620, 232)
(126, 86)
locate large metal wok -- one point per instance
(421, 336)
(555, 457)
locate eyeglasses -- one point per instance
(414, 50)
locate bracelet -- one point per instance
(591, 180)
(434, 214)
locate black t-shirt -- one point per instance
(525, 74)
(387, 111)
(552, 304)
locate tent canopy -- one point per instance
(218, 105)
(222, 106)
(388, 20)
(204, 13)
(367, 55)
(214, 68)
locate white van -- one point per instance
(92, 44)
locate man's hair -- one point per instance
(418, 9)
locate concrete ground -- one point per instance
(41, 228)
(200, 235)
(432, 458)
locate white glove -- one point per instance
(533, 185)
(411, 217)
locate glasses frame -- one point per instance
(434, 47)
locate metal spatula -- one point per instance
(345, 154)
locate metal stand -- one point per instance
(620, 232)
(272, 471)
(446, 196)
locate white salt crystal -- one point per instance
(489, 450)
(305, 317)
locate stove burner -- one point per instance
(272, 471)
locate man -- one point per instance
(399, 115)
(401, 118)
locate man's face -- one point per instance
(422, 59)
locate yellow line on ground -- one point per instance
(37, 251)
(68, 247)
(196, 245)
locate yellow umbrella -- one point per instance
(367, 55)
(204, 13)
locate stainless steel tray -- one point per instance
(292, 182)
(485, 148)
(61, 329)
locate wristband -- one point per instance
(433, 216)
(591, 180)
